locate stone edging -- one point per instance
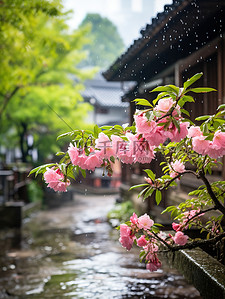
(202, 270)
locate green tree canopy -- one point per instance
(40, 81)
(106, 44)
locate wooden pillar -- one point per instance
(221, 82)
(177, 75)
(220, 62)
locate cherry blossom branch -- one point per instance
(195, 244)
(167, 184)
(170, 112)
(199, 213)
(162, 241)
(218, 205)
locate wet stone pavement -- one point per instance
(72, 252)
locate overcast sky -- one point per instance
(128, 15)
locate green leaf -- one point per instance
(188, 120)
(175, 122)
(83, 172)
(143, 191)
(174, 213)
(119, 128)
(142, 102)
(70, 172)
(60, 153)
(185, 99)
(169, 89)
(185, 112)
(221, 107)
(158, 224)
(97, 130)
(41, 169)
(168, 209)
(158, 196)
(201, 89)
(138, 186)
(150, 174)
(112, 159)
(106, 127)
(64, 135)
(155, 229)
(148, 193)
(204, 117)
(88, 132)
(192, 80)
(174, 88)
(160, 96)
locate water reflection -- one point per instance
(72, 252)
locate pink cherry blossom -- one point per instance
(180, 238)
(143, 125)
(158, 137)
(194, 132)
(145, 222)
(105, 145)
(200, 145)
(142, 151)
(55, 180)
(73, 152)
(142, 241)
(164, 105)
(77, 156)
(134, 218)
(219, 140)
(122, 149)
(126, 238)
(148, 180)
(92, 162)
(178, 136)
(176, 168)
(176, 226)
(153, 266)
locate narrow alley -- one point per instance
(73, 252)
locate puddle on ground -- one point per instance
(72, 252)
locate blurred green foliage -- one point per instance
(40, 81)
(106, 43)
(120, 213)
(35, 192)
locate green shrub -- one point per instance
(35, 192)
(120, 213)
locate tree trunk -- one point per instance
(23, 142)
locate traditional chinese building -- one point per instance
(186, 38)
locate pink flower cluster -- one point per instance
(159, 129)
(153, 263)
(78, 157)
(177, 167)
(55, 180)
(128, 235)
(193, 216)
(214, 148)
(133, 150)
(180, 238)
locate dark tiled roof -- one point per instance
(173, 34)
(106, 94)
